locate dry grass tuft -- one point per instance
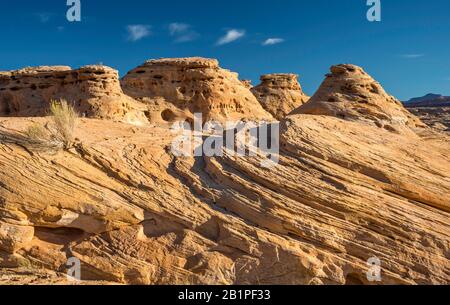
(59, 133)
(64, 118)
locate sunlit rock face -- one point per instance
(349, 93)
(176, 88)
(94, 91)
(280, 94)
(344, 191)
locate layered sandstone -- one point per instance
(349, 93)
(120, 201)
(280, 94)
(93, 90)
(175, 89)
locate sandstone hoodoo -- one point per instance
(175, 89)
(280, 94)
(93, 90)
(349, 93)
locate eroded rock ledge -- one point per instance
(94, 91)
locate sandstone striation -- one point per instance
(132, 212)
(280, 94)
(175, 89)
(349, 93)
(94, 91)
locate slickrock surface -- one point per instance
(349, 93)
(280, 94)
(93, 90)
(177, 88)
(133, 213)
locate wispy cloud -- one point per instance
(182, 32)
(44, 17)
(230, 36)
(138, 31)
(272, 41)
(412, 56)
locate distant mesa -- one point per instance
(429, 100)
(93, 90)
(280, 94)
(349, 93)
(175, 88)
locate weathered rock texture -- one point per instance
(349, 93)
(280, 94)
(175, 89)
(342, 193)
(247, 83)
(94, 91)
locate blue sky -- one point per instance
(408, 51)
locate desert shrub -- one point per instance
(64, 118)
(59, 132)
(37, 133)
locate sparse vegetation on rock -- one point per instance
(58, 133)
(359, 177)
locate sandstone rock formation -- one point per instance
(344, 191)
(349, 93)
(280, 94)
(93, 90)
(175, 89)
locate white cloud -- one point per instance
(272, 41)
(178, 28)
(230, 36)
(412, 56)
(182, 32)
(138, 31)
